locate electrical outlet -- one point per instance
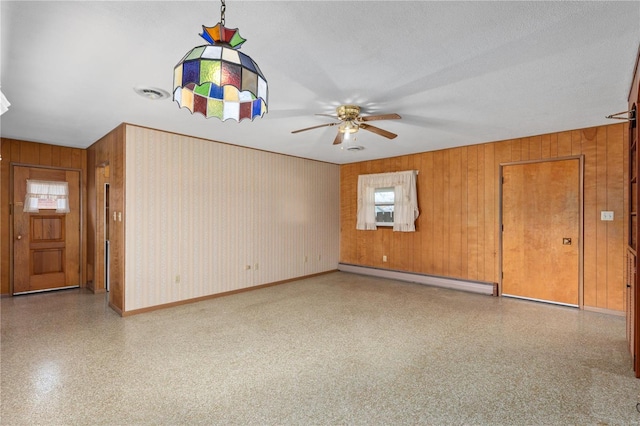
(606, 215)
(306, 258)
(177, 279)
(384, 258)
(255, 267)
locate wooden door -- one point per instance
(541, 231)
(46, 245)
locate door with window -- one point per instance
(46, 229)
(541, 218)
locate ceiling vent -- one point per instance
(152, 93)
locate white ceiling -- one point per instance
(458, 73)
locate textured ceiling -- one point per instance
(458, 73)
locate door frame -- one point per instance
(580, 159)
(12, 165)
(102, 176)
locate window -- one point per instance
(46, 195)
(384, 200)
(390, 197)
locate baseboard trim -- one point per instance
(531, 299)
(115, 308)
(479, 287)
(604, 311)
(46, 290)
(216, 295)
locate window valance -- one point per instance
(43, 194)
(405, 203)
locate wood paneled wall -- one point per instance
(34, 154)
(108, 151)
(457, 233)
(633, 291)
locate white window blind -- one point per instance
(42, 194)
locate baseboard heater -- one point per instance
(480, 287)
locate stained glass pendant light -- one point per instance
(216, 80)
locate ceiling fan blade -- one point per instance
(380, 117)
(314, 127)
(378, 131)
(339, 138)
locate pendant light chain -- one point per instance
(223, 9)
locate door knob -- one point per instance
(19, 237)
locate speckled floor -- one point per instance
(334, 349)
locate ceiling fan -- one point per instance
(351, 121)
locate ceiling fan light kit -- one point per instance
(348, 127)
(351, 121)
(217, 80)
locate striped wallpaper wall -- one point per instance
(200, 213)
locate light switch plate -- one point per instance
(606, 215)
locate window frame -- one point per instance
(385, 189)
